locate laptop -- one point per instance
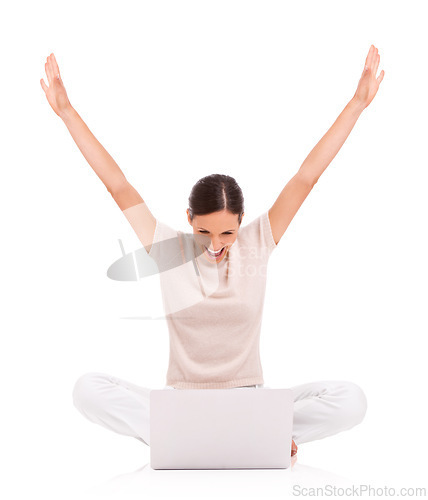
(221, 428)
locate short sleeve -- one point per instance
(139, 217)
(164, 241)
(258, 233)
(267, 232)
(166, 248)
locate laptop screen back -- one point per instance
(220, 428)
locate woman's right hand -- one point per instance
(55, 93)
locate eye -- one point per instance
(201, 231)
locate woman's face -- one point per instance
(220, 230)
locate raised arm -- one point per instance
(297, 189)
(93, 151)
(98, 158)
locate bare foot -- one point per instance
(293, 448)
(293, 461)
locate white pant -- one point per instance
(321, 408)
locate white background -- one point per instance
(175, 91)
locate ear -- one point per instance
(188, 217)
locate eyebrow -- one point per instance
(223, 231)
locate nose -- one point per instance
(215, 247)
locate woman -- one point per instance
(214, 302)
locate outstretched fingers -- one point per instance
(44, 86)
(54, 65)
(380, 77)
(368, 58)
(52, 71)
(48, 70)
(376, 63)
(372, 62)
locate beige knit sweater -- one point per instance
(213, 310)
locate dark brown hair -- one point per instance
(214, 193)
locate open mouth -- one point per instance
(215, 255)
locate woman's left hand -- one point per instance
(369, 84)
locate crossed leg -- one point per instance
(114, 403)
(321, 408)
(326, 407)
